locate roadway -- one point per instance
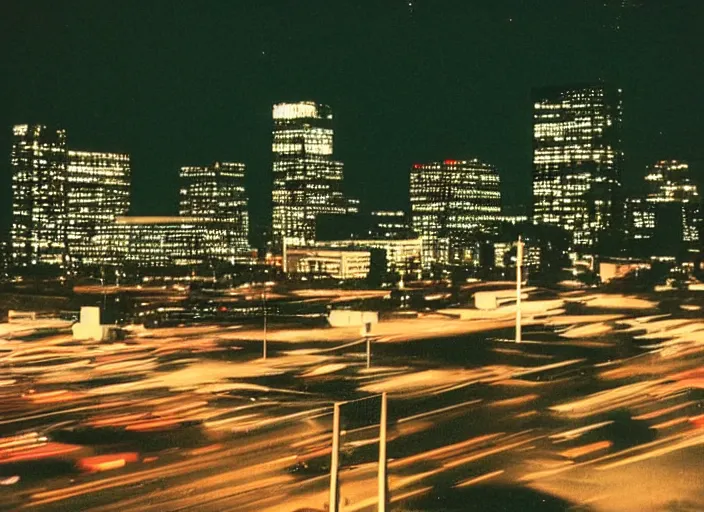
(599, 409)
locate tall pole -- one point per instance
(283, 262)
(382, 457)
(264, 337)
(519, 264)
(334, 461)
(369, 351)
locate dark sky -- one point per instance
(178, 83)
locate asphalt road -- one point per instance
(598, 409)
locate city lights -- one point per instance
(577, 161)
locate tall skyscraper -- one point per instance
(450, 201)
(98, 191)
(39, 175)
(577, 159)
(307, 181)
(215, 195)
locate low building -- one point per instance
(162, 242)
(402, 256)
(504, 259)
(336, 263)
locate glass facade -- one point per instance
(450, 201)
(307, 181)
(98, 192)
(577, 161)
(39, 177)
(215, 195)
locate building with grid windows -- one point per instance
(215, 196)
(451, 202)
(668, 217)
(307, 180)
(98, 191)
(577, 159)
(154, 242)
(39, 178)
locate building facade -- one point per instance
(669, 183)
(667, 219)
(403, 256)
(334, 263)
(577, 160)
(215, 195)
(307, 180)
(39, 176)
(392, 224)
(98, 191)
(451, 201)
(153, 241)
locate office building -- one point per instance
(334, 263)
(307, 180)
(153, 241)
(4, 257)
(666, 220)
(505, 255)
(215, 196)
(577, 159)
(39, 174)
(393, 224)
(98, 191)
(402, 256)
(452, 201)
(670, 185)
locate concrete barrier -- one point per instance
(16, 317)
(492, 299)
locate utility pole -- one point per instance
(264, 337)
(283, 262)
(519, 264)
(335, 461)
(382, 486)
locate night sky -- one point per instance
(185, 83)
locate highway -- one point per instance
(600, 408)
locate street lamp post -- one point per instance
(264, 336)
(519, 264)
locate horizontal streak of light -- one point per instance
(481, 478)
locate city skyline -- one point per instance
(476, 97)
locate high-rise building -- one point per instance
(393, 224)
(4, 257)
(307, 181)
(450, 201)
(39, 174)
(215, 195)
(577, 161)
(98, 191)
(669, 183)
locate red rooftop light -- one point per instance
(450, 162)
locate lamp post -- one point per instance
(264, 336)
(519, 264)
